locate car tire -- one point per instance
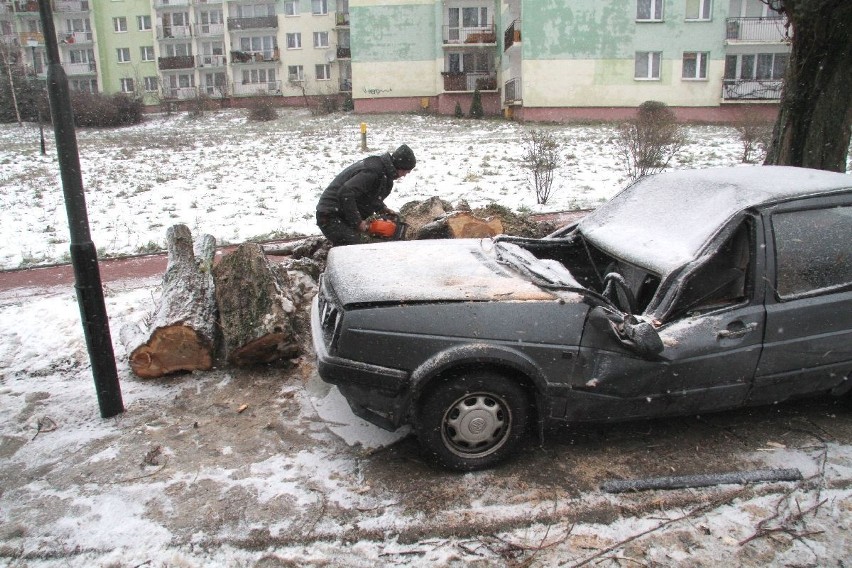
(473, 420)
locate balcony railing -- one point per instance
(171, 3)
(206, 30)
(341, 18)
(478, 36)
(512, 35)
(344, 53)
(176, 62)
(170, 32)
(89, 68)
(259, 23)
(71, 5)
(180, 93)
(454, 81)
(69, 38)
(266, 88)
(26, 6)
(208, 60)
(346, 84)
(756, 29)
(512, 92)
(255, 56)
(752, 89)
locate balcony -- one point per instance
(255, 56)
(752, 89)
(88, 68)
(345, 84)
(756, 29)
(176, 62)
(209, 30)
(341, 19)
(210, 60)
(160, 4)
(72, 38)
(464, 82)
(259, 23)
(470, 36)
(512, 92)
(344, 52)
(512, 35)
(179, 93)
(24, 6)
(71, 6)
(174, 32)
(254, 89)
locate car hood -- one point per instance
(428, 270)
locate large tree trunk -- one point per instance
(815, 119)
(255, 308)
(460, 225)
(181, 334)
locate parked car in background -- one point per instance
(688, 292)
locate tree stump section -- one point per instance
(181, 333)
(255, 308)
(460, 225)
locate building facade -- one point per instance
(529, 59)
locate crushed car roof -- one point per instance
(663, 221)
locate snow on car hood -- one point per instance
(428, 270)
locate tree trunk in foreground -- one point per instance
(255, 307)
(460, 225)
(815, 119)
(181, 334)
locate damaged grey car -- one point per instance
(688, 292)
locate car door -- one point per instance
(712, 334)
(808, 345)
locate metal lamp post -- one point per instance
(33, 44)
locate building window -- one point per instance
(319, 7)
(695, 65)
(147, 52)
(295, 73)
(123, 54)
(255, 76)
(84, 85)
(119, 24)
(127, 85)
(143, 23)
(264, 45)
(647, 65)
(762, 66)
(320, 39)
(291, 8)
(698, 9)
(294, 41)
(649, 10)
(323, 72)
(151, 84)
(255, 10)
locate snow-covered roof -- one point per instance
(663, 221)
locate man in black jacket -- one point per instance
(358, 192)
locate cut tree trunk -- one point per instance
(460, 225)
(255, 308)
(181, 333)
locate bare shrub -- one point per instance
(200, 104)
(97, 110)
(649, 142)
(541, 158)
(755, 133)
(262, 110)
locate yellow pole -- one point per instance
(364, 136)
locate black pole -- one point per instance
(84, 258)
(38, 104)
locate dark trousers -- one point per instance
(336, 231)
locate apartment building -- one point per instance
(176, 50)
(529, 59)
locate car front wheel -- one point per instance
(472, 421)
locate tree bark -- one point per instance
(815, 118)
(181, 333)
(255, 308)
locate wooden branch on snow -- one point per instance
(181, 334)
(460, 225)
(255, 308)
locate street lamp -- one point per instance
(32, 43)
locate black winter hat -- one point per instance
(403, 158)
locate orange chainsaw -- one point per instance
(387, 227)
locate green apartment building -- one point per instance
(529, 59)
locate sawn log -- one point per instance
(460, 225)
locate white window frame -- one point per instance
(652, 60)
(127, 85)
(146, 53)
(701, 62)
(294, 40)
(704, 10)
(319, 7)
(261, 76)
(143, 23)
(655, 9)
(299, 74)
(151, 84)
(320, 39)
(322, 71)
(119, 24)
(291, 8)
(122, 54)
